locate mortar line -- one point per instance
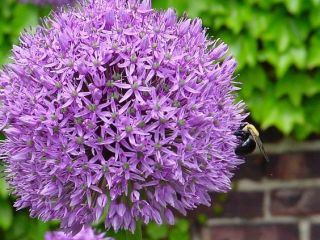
(266, 205)
(246, 185)
(304, 230)
(272, 220)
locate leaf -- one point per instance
(283, 40)
(3, 188)
(268, 53)
(260, 103)
(215, 7)
(264, 4)
(314, 16)
(295, 85)
(299, 29)
(180, 6)
(180, 230)
(19, 226)
(126, 234)
(316, 2)
(37, 229)
(284, 62)
(24, 15)
(259, 22)
(252, 79)
(314, 51)
(197, 8)
(284, 116)
(296, 56)
(284, 30)
(155, 231)
(5, 214)
(239, 13)
(293, 6)
(299, 56)
(202, 218)
(160, 4)
(301, 132)
(182, 225)
(279, 33)
(312, 125)
(244, 48)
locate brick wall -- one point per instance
(279, 200)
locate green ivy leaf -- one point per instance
(299, 56)
(160, 4)
(276, 32)
(260, 103)
(312, 125)
(282, 61)
(243, 47)
(202, 218)
(293, 6)
(295, 85)
(283, 64)
(314, 16)
(284, 30)
(265, 4)
(259, 22)
(315, 2)
(25, 228)
(5, 9)
(19, 23)
(314, 51)
(299, 29)
(3, 188)
(197, 8)
(252, 79)
(215, 7)
(5, 214)
(301, 132)
(268, 53)
(180, 230)
(182, 225)
(155, 231)
(296, 56)
(126, 234)
(180, 6)
(284, 116)
(238, 15)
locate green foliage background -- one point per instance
(277, 46)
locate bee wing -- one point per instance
(260, 145)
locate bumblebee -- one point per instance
(249, 139)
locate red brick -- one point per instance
(284, 167)
(315, 232)
(288, 166)
(295, 201)
(294, 166)
(251, 232)
(234, 204)
(253, 168)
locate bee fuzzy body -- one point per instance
(247, 144)
(248, 137)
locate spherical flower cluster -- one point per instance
(48, 2)
(84, 234)
(116, 112)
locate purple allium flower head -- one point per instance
(49, 2)
(84, 234)
(113, 109)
